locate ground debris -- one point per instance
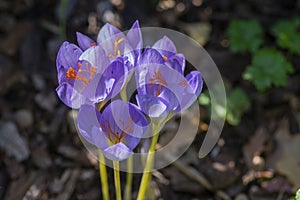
(12, 142)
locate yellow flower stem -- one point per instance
(128, 186)
(117, 180)
(123, 92)
(103, 176)
(149, 164)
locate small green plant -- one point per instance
(288, 34)
(244, 35)
(297, 196)
(237, 103)
(268, 67)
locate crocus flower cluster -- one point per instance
(92, 73)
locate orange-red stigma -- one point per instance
(118, 137)
(158, 79)
(72, 74)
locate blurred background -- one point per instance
(256, 46)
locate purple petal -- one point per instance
(124, 116)
(98, 138)
(106, 32)
(151, 105)
(192, 90)
(95, 56)
(125, 120)
(117, 152)
(69, 95)
(134, 36)
(108, 84)
(84, 41)
(195, 81)
(165, 44)
(150, 56)
(107, 39)
(88, 117)
(174, 64)
(67, 57)
(180, 59)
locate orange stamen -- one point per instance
(118, 137)
(93, 44)
(116, 51)
(158, 79)
(165, 58)
(71, 73)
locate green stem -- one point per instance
(103, 176)
(128, 186)
(63, 19)
(149, 165)
(117, 180)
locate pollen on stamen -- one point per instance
(116, 52)
(93, 44)
(165, 58)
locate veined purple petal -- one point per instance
(84, 41)
(96, 57)
(165, 44)
(98, 138)
(150, 56)
(180, 59)
(106, 32)
(151, 105)
(123, 122)
(69, 95)
(134, 36)
(67, 57)
(195, 81)
(117, 152)
(109, 83)
(175, 65)
(88, 117)
(192, 89)
(113, 41)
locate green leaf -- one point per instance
(288, 35)
(244, 35)
(237, 103)
(204, 99)
(297, 196)
(269, 67)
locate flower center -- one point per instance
(116, 51)
(115, 137)
(90, 71)
(158, 79)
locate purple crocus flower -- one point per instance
(162, 86)
(115, 43)
(88, 76)
(116, 131)
(167, 50)
(96, 71)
